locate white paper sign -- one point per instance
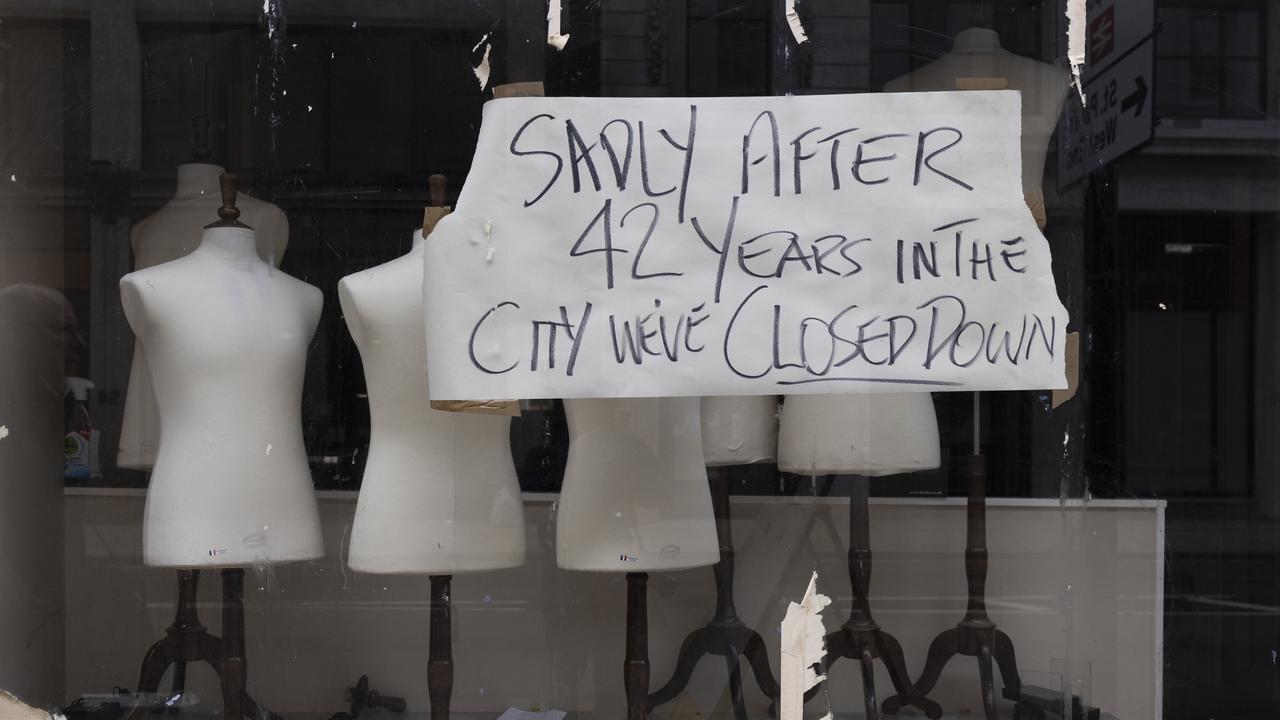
(611, 247)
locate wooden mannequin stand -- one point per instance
(976, 635)
(635, 668)
(440, 662)
(860, 638)
(187, 640)
(726, 635)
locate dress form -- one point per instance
(225, 338)
(739, 430)
(863, 435)
(172, 232)
(635, 497)
(440, 494)
(735, 431)
(977, 61)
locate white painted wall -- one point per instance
(1079, 581)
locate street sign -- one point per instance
(1114, 28)
(1118, 115)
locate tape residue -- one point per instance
(802, 649)
(793, 19)
(554, 38)
(482, 70)
(4, 431)
(1076, 23)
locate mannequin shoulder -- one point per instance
(262, 213)
(394, 278)
(305, 294)
(157, 278)
(144, 291)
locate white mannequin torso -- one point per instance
(858, 434)
(739, 430)
(172, 232)
(635, 496)
(977, 55)
(440, 493)
(225, 336)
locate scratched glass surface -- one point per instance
(1132, 524)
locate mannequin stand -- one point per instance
(976, 635)
(635, 668)
(187, 640)
(440, 662)
(860, 638)
(726, 635)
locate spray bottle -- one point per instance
(81, 441)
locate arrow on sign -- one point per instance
(1137, 97)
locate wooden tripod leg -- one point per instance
(988, 681)
(891, 655)
(635, 671)
(869, 683)
(1007, 661)
(735, 686)
(691, 651)
(943, 648)
(757, 655)
(158, 659)
(440, 663)
(233, 669)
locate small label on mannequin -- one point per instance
(628, 558)
(215, 552)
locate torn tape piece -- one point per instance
(793, 19)
(1076, 14)
(554, 38)
(482, 70)
(802, 649)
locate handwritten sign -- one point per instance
(610, 247)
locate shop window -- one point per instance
(1210, 59)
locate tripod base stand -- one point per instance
(440, 662)
(726, 635)
(976, 635)
(635, 667)
(861, 638)
(188, 640)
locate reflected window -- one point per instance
(1209, 59)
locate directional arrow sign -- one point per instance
(1137, 99)
(1116, 119)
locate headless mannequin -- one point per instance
(735, 431)
(977, 62)
(168, 234)
(635, 499)
(635, 495)
(864, 435)
(225, 337)
(231, 484)
(440, 494)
